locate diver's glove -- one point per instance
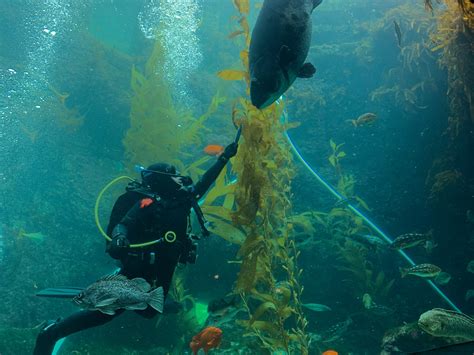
(119, 245)
(229, 151)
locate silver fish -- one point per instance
(118, 292)
(421, 270)
(316, 307)
(371, 241)
(410, 240)
(381, 310)
(336, 331)
(445, 323)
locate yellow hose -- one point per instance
(96, 213)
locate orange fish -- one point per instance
(330, 352)
(214, 149)
(207, 339)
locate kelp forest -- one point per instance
(301, 258)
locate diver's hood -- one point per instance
(164, 179)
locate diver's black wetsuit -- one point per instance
(143, 221)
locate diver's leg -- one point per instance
(78, 321)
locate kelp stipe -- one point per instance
(269, 277)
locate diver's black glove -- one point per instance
(118, 247)
(229, 151)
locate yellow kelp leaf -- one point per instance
(217, 211)
(261, 310)
(441, 46)
(332, 160)
(225, 230)
(362, 203)
(244, 57)
(218, 190)
(231, 74)
(229, 201)
(243, 6)
(195, 168)
(286, 312)
(269, 164)
(245, 25)
(247, 275)
(252, 243)
(235, 34)
(261, 296)
(268, 327)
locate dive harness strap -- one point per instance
(137, 187)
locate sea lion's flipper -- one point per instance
(307, 70)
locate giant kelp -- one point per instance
(411, 79)
(159, 130)
(268, 278)
(453, 40)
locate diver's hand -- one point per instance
(230, 151)
(118, 246)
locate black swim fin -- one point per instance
(60, 292)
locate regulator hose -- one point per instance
(96, 213)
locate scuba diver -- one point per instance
(158, 208)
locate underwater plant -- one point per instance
(453, 40)
(407, 83)
(268, 278)
(157, 127)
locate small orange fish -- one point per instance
(207, 339)
(330, 352)
(214, 149)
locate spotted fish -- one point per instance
(410, 240)
(114, 292)
(445, 323)
(422, 270)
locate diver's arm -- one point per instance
(119, 245)
(213, 172)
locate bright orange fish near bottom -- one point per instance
(207, 339)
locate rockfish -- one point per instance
(422, 270)
(118, 292)
(444, 323)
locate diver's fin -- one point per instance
(157, 299)
(60, 292)
(307, 70)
